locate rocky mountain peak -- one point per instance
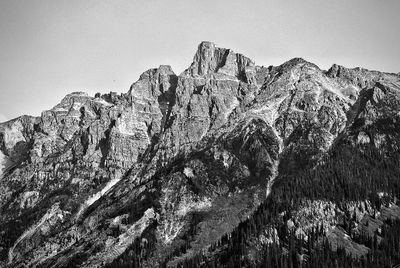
(210, 59)
(153, 82)
(161, 70)
(180, 163)
(360, 77)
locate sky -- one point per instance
(49, 48)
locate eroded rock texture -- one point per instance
(180, 160)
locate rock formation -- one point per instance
(179, 161)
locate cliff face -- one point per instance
(180, 160)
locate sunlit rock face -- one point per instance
(179, 160)
(211, 60)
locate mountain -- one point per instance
(227, 164)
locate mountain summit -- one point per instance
(227, 164)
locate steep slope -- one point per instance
(338, 208)
(159, 175)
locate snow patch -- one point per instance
(186, 207)
(99, 194)
(102, 102)
(108, 186)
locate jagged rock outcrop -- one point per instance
(180, 160)
(211, 60)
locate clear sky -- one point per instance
(53, 47)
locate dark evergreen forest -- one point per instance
(349, 172)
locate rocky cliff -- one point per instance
(159, 175)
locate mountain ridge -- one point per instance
(179, 161)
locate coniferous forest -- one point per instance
(348, 172)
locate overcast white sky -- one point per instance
(50, 48)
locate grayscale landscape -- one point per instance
(226, 164)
